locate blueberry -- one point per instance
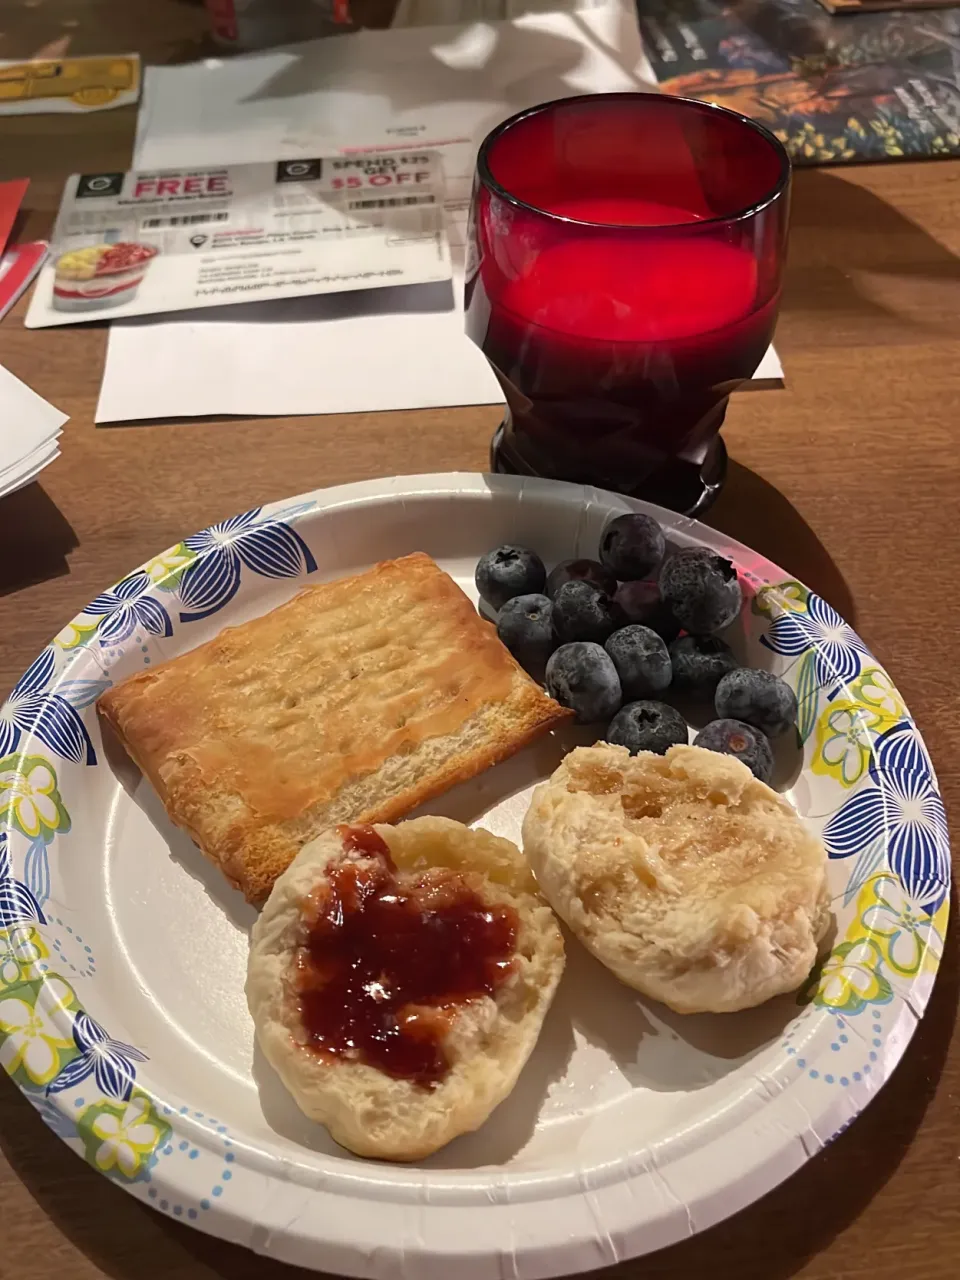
(758, 698)
(582, 611)
(526, 627)
(508, 572)
(647, 726)
(743, 741)
(641, 602)
(632, 546)
(580, 571)
(701, 589)
(582, 676)
(642, 661)
(700, 663)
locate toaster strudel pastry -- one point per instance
(354, 702)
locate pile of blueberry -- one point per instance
(610, 636)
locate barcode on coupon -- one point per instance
(391, 202)
(183, 220)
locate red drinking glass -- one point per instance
(626, 253)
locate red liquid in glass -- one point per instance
(616, 354)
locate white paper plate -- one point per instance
(122, 952)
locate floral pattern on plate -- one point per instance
(896, 817)
(889, 937)
(35, 708)
(262, 544)
(121, 1139)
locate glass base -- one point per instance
(688, 487)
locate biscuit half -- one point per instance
(488, 1038)
(692, 881)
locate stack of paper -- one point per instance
(29, 432)
(441, 88)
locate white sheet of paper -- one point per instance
(769, 371)
(442, 87)
(29, 430)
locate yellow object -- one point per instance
(89, 82)
(80, 264)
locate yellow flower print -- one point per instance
(35, 1036)
(843, 743)
(781, 597)
(851, 977)
(21, 950)
(941, 916)
(888, 930)
(167, 569)
(75, 633)
(875, 688)
(29, 798)
(120, 1138)
(906, 935)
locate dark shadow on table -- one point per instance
(352, 304)
(208, 420)
(799, 1218)
(751, 510)
(35, 539)
(841, 234)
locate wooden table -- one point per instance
(849, 479)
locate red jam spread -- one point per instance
(387, 964)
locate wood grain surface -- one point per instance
(848, 478)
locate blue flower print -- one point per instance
(48, 716)
(17, 904)
(900, 750)
(903, 811)
(265, 545)
(126, 606)
(110, 1062)
(837, 647)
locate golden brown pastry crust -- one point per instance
(355, 701)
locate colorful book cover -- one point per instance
(871, 87)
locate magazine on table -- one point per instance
(875, 86)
